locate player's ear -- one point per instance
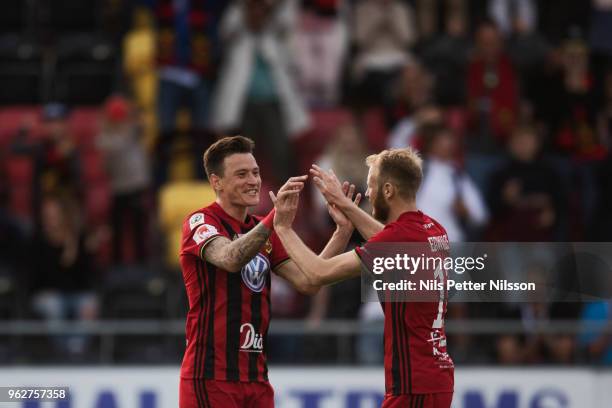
(215, 182)
(388, 190)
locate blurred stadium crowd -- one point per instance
(107, 106)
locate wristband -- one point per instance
(268, 220)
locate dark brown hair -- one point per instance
(429, 134)
(218, 151)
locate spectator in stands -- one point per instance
(573, 121)
(526, 196)
(140, 69)
(129, 174)
(55, 158)
(320, 44)
(447, 192)
(445, 49)
(383, 30)
(513, 15)
(526, 47)
(187, 55)
(256, 93)
(345, 154)
(492, 91)
(62, 275)
(413, 91)
(405, 133)
(570, 111)
(437, 16)
(139, 55)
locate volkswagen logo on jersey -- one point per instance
(254, 273)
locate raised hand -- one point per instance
(286, 201)
(338, 216)
(329, 185)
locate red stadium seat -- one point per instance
(84, 126)
(97, 203)
(92, 166)
(19, 172)
(12, 119)
(21, 201)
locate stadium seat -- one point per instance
(97, 202)
(176, 201)
(84, 126)
(13, 118)
(93, 166)
(86, 70)
(20, 172)
(133, 291)
(21, 71)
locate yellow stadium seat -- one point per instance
(176, 200)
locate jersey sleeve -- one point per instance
(365, 252)
(198, 231)
(278, 255)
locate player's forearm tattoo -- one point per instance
(233, 255)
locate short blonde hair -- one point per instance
(401, 167)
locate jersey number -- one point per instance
(439, 274)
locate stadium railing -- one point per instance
(108, 330)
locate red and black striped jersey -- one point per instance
(229, 313)
(416, 359)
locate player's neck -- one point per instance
(403, 206)
(235, 211)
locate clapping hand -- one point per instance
(341, 220)
(329, 185)
(286, 201)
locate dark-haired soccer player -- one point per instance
(418, 370)
(226, 257)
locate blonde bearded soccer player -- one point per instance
(418, 370)
(226, 258)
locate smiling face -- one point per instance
(239, 183)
